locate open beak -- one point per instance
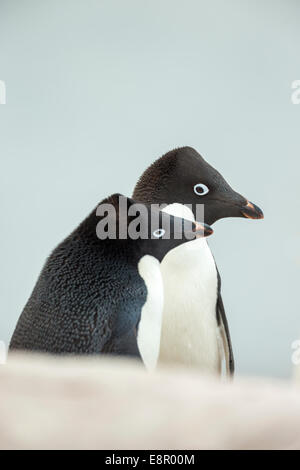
(251, 211)
(202, 230)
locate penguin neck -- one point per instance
(183, 256)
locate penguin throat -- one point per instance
(183, 257)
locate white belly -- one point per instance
(149, 330)
(189, 328)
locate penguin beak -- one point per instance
(251, 211)
(202, 230)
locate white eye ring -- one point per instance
(201, 189)
(159, 233)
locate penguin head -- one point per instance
(169, 231)
(145, 229)
(182, 175)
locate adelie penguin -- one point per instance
(195, 330)
(103, 293)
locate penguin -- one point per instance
(190, 332)
(100, 291)
(195, 330)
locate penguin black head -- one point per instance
(182, 175)
(144, 229)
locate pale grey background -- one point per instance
(97, 89)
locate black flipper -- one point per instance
(223, 324)
(126, 345)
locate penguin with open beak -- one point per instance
(195, 331)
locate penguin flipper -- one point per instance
(127, 315)
(225, 334)
(126, 345)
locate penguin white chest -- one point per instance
(149, 330)
(189, 327)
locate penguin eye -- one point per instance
(201, 189)
(159, 233)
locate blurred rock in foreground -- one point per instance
(51, 403)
